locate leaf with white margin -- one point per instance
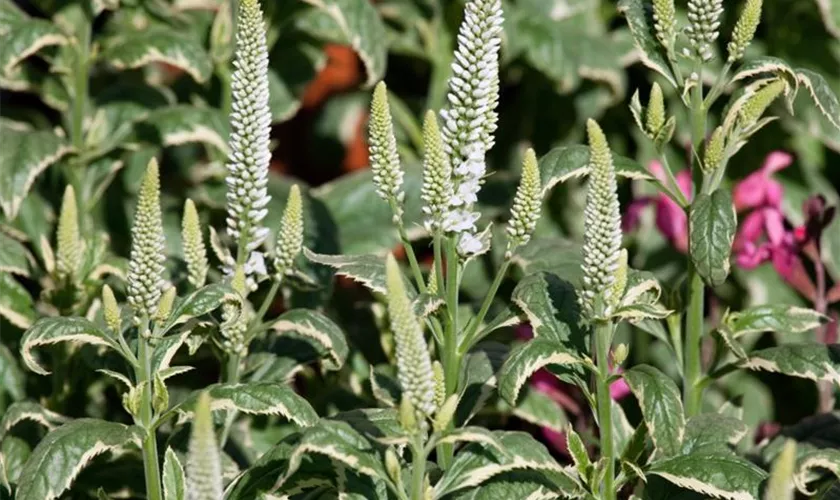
(168, 46)
(712, 433)
(571, 162)
(477, 379)
(119, 377)
(826, 459)
(821, 94)
(184, 124)
(538, 408)
(355, 23)
(319, 330)
(763, 66)
(64, 452)
(640, 312)
(15, 302)
(385, 386)
(255, 398)
(830, 11)
(720, 476)
(340, 442)
(425, 304)
(478, 463)
(712, 226)
(650, 50)
(48, 331)
(472, 434)
(173, 477)
(166, 348)
(18, 412)
(13, 256)
(551, 306)
(773, 318)
(14, 452)
(26, 37)
(378, 424)
(526, 359)
(369, 270)
(200, 302)
(24, 156)
(662, 409)
(731, 342)
(811, 361)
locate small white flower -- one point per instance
(469, 244)
(458, 221)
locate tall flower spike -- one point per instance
(470, 120)
(655, 114)
(714, 151)
(665, 21)
(602, 224)
(437, 175)
(527, 204)
(414, 366)
(744, 30)
(234, 318)
(195, 253)
(290, 236)
(758, 103)
(110, 309)
(250, 119)
(204, 464)
(384, 160)
(69, 251)
(145, 266)
(704, 25)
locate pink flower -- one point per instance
(759, 189)
(671, 219)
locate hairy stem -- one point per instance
(154, 490)
(603, 337)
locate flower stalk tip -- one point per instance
(195, 253)
(384, 159)
(437, 175)
(290, 236)
(527, 204)
(145, 267)
(665, 22)
(744, 30)
(69, 244)
(704, 25)
(204, 468)
(110, 309)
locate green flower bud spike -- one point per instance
(704, 25)
(195, 253)
(204, 465)
(69, 251)
(619, 354)
(445, 414)
(715, 150)
(414, 366)
(290, 237)
(234, 321)
(111, 310)
(384, 160)
(408, 415)
(527, 204)
(440, 384)
(145, 266)
(437, 175)
(165, 305)
(756, 105)
(602, 225)
(665, 22)
(744, 30)
(392, 465)
(655, 114)
(616, 291)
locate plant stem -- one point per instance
(451, 361)
(485, 306)
(409, 250)
(439, 264)
(232, 375)
(269, 299)
(154, 491)
(826, 388)
(418, 470)
(603, 338)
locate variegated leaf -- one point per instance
(764, 66)
(472, 434)
(385, 387)
(14, 452)
(811, 361)
(24, 156)
(639, 312)
(15, 303)
(12, 378)
(830, 10)
(477, 380)
(552, 309)
(21, 411)
(720, 476)
(64, 452)
(731, 342)
(47, 331)
(376, 424)
(781, 483)
(662, 409)
(183, 124)
(538, 408)
(821, 94)
(712, 433)
(570, 162)
(317, 329)
(641, 25)
(526, 359)
(13, 256)
(578, 452)
(173, 477)
(369, 270)
(168, 46)
(825, 459)
(425, 305)
(166, 348)
(712, 226)
(199, 303)
(25, 37)
(255, 398)
(779, 318)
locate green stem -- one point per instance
(232, 375)
(154, 490)
(439, 263)
(418, 473)
(409, 250)
(451, 361)
(603, 338)
(485, 306)
(269, 299)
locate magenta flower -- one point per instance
(759, 189)
(671, 219)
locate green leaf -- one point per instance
(830, 10)
(551, 306)
(14, 452)
(780, 485)
(472, 434)
(571, 162)
(21, 411)
(12, 378)
(779, 318)
(385, 386)
(526, 359)
(641, 25)
(821, 94)
(199, 303)
(712, 433)
(811, 361)
(184, 124)
(720, 476)
(662, 409)
(25, 37)
(538, 408)
(24, 155)
(13, 256)
(15, 303)
(634, 313)
(173, 477)
(281, 100)
(763, 66)
(731, 342)
(826, 459)
(477, 380)
(377, 424)
(549, 254)
(578, 452)
(317, 329)
(138, 49)
(355, 23)
(47, 331)
(369, 270)
(478, 463)
(712, 227)
(62, 454)
(259, 479)
(255, 398)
